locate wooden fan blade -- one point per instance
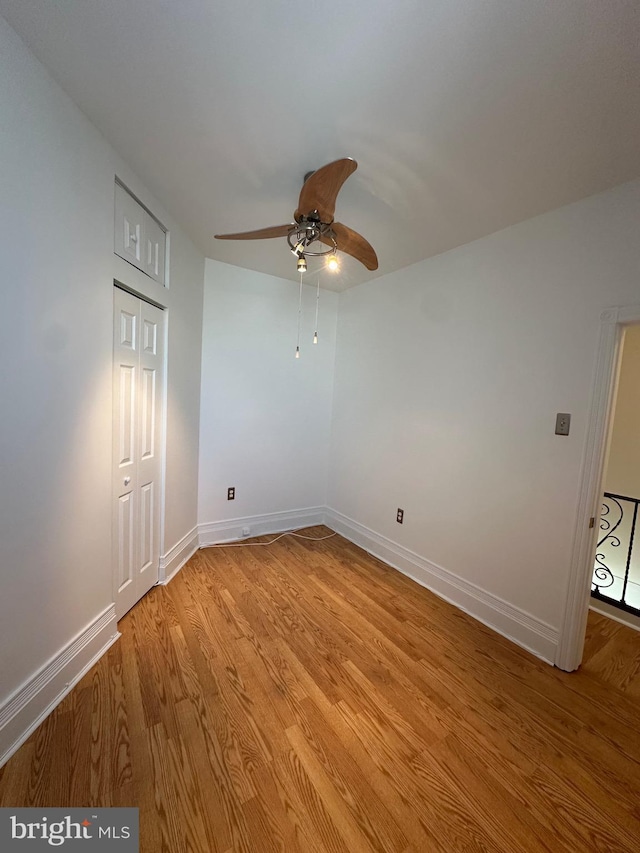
(260, 234)
(320, 190)
(353, 244)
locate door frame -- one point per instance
(162, 305)
(574, 623)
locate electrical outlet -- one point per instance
(246, 531)
(400, 516)
(563, 422)
(231, 493)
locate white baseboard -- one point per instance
(176, 557)
(515, 624)
(23, 712)
(215, 532)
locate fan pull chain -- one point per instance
(315, 334)
(299, 317)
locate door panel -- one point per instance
(138, 377)
(147, 532)
(150, 337)
(155, 239)
(148, 414)
(150, 434)
(128, 323)
(129, 227)
(125, 544)
(126, 420)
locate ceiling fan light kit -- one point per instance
(309, 231)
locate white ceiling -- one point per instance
(465, 116)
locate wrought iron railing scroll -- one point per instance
(616, 573)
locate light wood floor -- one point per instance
(304, 697)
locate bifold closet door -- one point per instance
(138, 365)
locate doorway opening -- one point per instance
(613, 323)
(615, 587)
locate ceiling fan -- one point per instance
(313, 220)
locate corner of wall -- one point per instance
(511, 622)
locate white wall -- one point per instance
(265, 415)
(448, 378)
(623, 465)
(57, 269)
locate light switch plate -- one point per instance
(563, 422)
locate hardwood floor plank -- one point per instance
(14, 782)
(51, 740)
(220, 810)
(348, 826)
(315, 821)
(266, 833)
(268, 820)
(165, 802)
(405, 817)
(347, 778)
(505, 807)
(433, 806)
(189, 799)
(616, 661)
(591, 829)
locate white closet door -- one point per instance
(137, 446)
